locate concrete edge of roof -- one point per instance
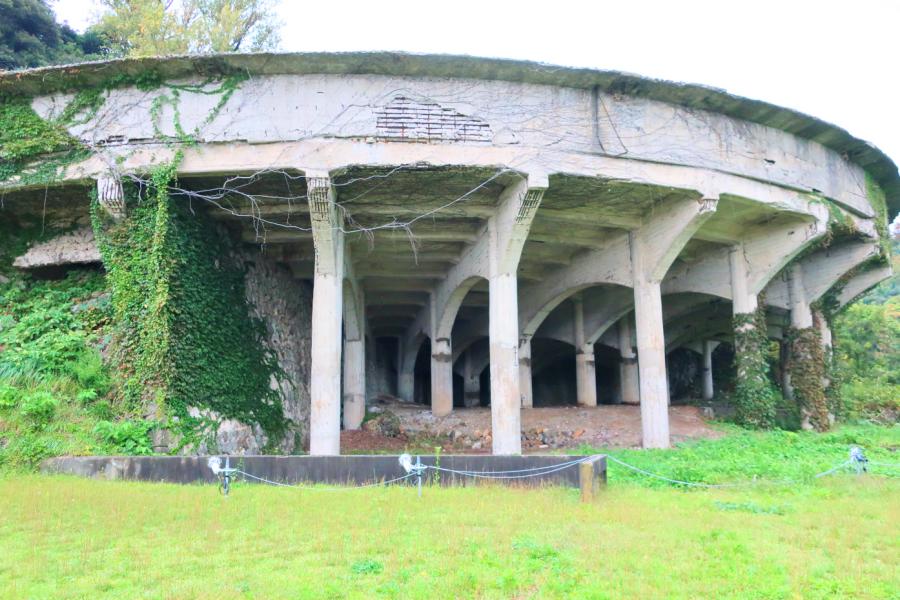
(31, 82)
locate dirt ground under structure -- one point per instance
(398, 425)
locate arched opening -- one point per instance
(552, 373)
(606, 367)
(422, 374)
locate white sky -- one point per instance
(836, 60)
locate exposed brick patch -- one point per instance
(406, 119)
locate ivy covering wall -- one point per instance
(755, 396)
(184, 337)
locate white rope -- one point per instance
(324, 489)
(722, 485)
(888, 465)
(486, 475)
(529, 470)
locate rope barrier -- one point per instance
(417, 470)
(325, 489)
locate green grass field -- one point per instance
(837, 537)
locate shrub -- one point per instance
(126, 437)
(85, 397)
(9, 397)
(876, 401)
(39, 408)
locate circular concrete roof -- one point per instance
(45, 80)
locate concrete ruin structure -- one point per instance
(454, 227)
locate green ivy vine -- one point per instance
(808, 373)
(755, 396)
(184, 337)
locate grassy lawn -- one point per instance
(834, 538)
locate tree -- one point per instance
(31, 37)
(161, 27)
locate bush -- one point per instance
(126, 437)
(89, 371)
(9, 397)
(876, 401)
(39, 408)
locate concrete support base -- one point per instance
(441, 378)
(406, 382)
(354, 383)
(585, 376)
(707, 370)
(504, 348)
(628, 368)
(525, 391)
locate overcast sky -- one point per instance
(836, 60)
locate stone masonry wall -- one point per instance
(285, 306)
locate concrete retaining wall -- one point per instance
(349, 470)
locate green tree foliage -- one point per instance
(867, 353)
(31, 37)
(162, 27)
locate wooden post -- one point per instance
(589, 477)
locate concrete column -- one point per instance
(406, 382)
(471, 383)
(628, 368)
(504, 343)
(354, 383)
(325, 373)
(707, 370)
(743, 301)
(327, 317)
(651, 350)
(525, 372)
(801, 314)
(585, 374)
(441, 377)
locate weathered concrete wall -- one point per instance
(278, 108)
(74, 247)
(339, 470)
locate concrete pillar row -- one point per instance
(628, 365)
(707, 370)
(585, 371)
(441, 377)
(525, 391)
(327, 318)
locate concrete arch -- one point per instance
(444, 321)
(611, 264)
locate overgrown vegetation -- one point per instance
(742, 455)
(755, 396)
(54, 387)
(183, 335)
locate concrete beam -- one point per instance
(863, 282)
(821, 270)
